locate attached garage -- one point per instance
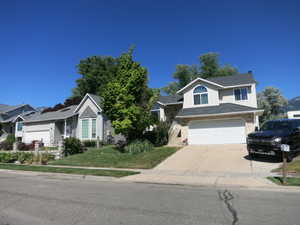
(227, 131)
(37, 132)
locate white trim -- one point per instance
(240, 88)
(221, 114)
(237, 86)
(212, 83)
(165, 104)
(198, 79)
(200, 94)
(83, 100)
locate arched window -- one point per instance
(200, 95)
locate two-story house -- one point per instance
(220, 110)
(9, 119)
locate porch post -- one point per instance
(65, 130)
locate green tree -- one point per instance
(209, 67)
(273, 103)
(96, 72)
(127, 98)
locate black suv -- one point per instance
(274, 133)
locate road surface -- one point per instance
(51, 200)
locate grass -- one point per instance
(291, 181)
(94, 172)
(292, 167)
(108, 156)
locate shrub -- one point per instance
(159, 135)
(7, 157)
(10, 139)
(23, 157)
(120, 145)
(89, 143)
(138, 146)
(73, 146)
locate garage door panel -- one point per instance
(217, 132)
(37, 136)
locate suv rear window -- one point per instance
(277, 125)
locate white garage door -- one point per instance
(217, 132)
(37, 136)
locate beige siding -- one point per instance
(227, 96)
(213, 95)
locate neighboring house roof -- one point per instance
(88, 113)
(224, 81)
(170, 100)
(61, 114)
(96, 99)
(225, 108)
(22, 115)
(8, 108)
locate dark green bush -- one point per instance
(73, 146)
(10, 157)
(89, 143)
(159, 136)
(138, 146)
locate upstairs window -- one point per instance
(241, 94)
(200, 95)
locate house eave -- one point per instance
(166, 104)
(258, 112)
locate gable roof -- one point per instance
(224, 108)
(88, 113)
(61, 114)
(224, 81)
(7, 108)
(170, 100)
(95, 98)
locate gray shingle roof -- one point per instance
(88, 113)
(8, 108)
(218, 109)
(57, 115)
(238, 79)
(96, 98)
(170, 99)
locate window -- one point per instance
(19, 126)
(85, 128)
(200, 95)
(94, 128)
(241, 94)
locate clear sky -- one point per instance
(41, 42)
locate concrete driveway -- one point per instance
(211, 165)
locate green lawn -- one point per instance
(94, 172)
(293, 166)
(108, 156)
(291, 181)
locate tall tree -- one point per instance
(273, 103)
(209, 67)
(96, 72)
(127, 98)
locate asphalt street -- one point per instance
(52, 200)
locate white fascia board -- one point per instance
(221, 114)
(83, 100)
(198, 79)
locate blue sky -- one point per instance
(41, 42)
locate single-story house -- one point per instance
(219, 110)
(85, 121)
